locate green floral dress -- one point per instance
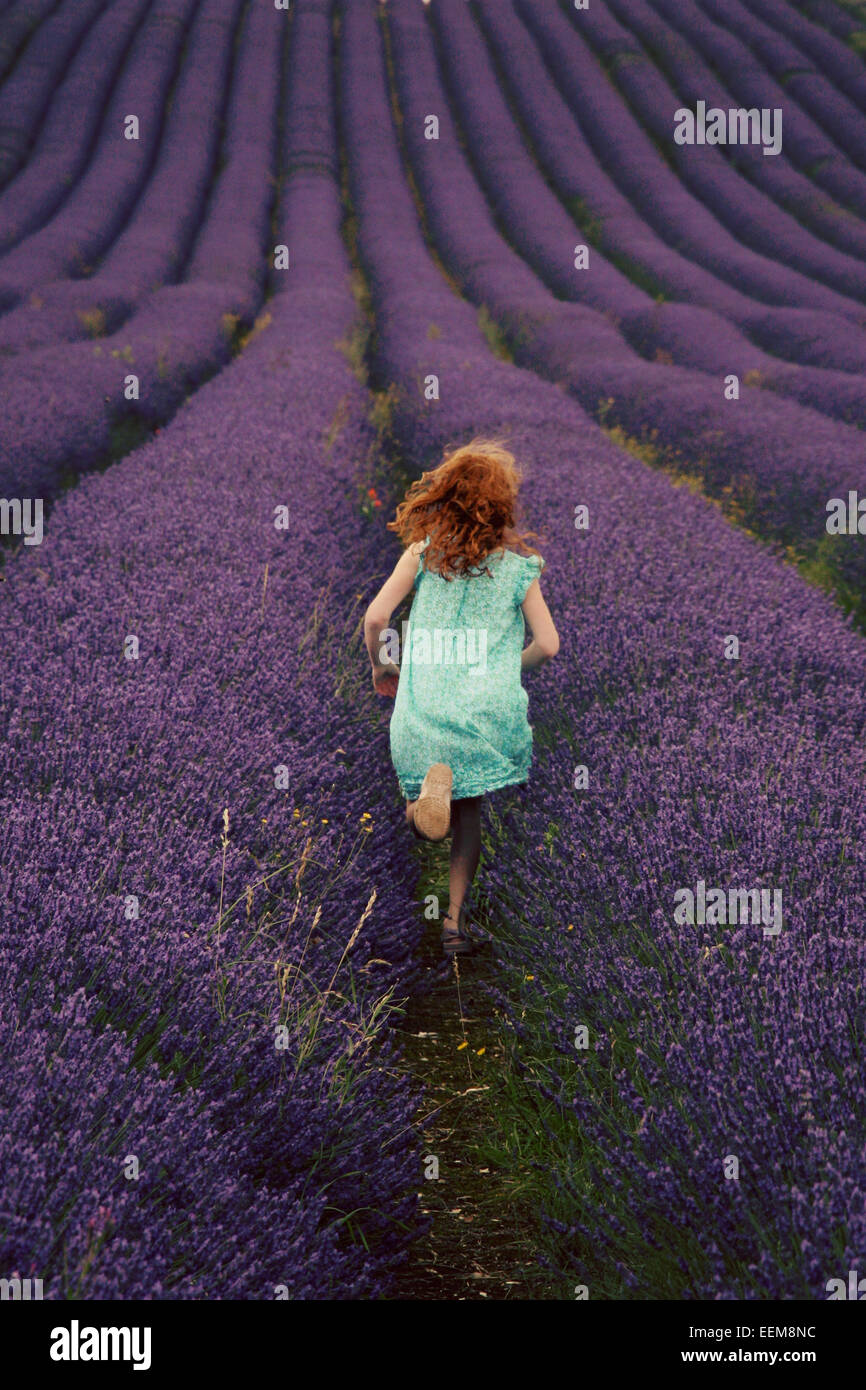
(460, 699)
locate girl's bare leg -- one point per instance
(465, 851)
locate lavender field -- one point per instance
(261, 261)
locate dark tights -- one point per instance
(465, 849)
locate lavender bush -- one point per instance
(180, 333)
(808, 86)
(70, 125)
(758, 458)
(693, 763)
(201, 960)
(745, 210)
(29, 89)
(636, 164)
(151, 249)
(18, 23)
(806, 147)
(837, 61)
(102, 200)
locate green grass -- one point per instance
(496, 339)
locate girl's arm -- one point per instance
(545, 638)
(378, 617)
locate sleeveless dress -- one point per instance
(459, 697)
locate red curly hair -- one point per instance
(467, 506)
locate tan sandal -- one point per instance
(431, 813)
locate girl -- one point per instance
(459, 727)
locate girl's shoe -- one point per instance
(432, 811)
(410, 821)
(460, 939)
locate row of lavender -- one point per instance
(155, 242)
(65, 404)
(840, 113)
(824, 32)
(755, 210)
(778, 462)
(779, 466)
(68, 134)
(585, 185)
(685, 40)
(24, 16)
(586, 178)
(103, 198)
(207, 926)
(679, 218)
(27, 93)
(706, 1042)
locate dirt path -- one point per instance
(475, 1248)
